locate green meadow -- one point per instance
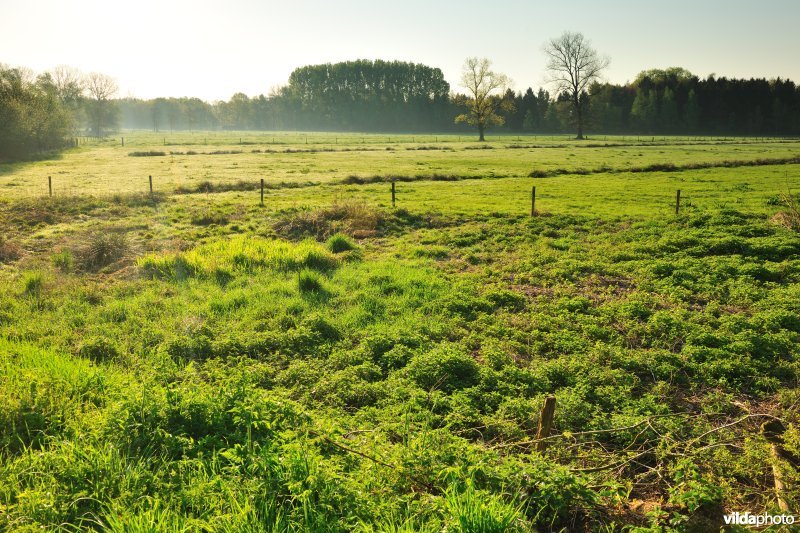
(192, 360)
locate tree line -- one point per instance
(663, 102)
(40, 113)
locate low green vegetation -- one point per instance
(198, 362)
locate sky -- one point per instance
(212, 49)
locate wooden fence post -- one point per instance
(678, 202)
(393, 194)
(50, 184)
(545, 423)
(262, 192)
(150, 179)
(533, 201)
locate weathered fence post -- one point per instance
(678, 202)
(545, 423)
(123, 140)
(393, 194)
(262, 192)
(150, 179)
(50, 184)
(533, 201)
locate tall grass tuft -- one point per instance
(473, 511)
(63, 260)
(339, 243)
(103, 249)
(238, 255)
(32, 283)
(309, 281)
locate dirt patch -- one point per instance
(599, 288)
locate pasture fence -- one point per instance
(261, 186)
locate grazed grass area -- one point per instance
(107, 167)
(329, 363)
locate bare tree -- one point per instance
(70, 86)
(69, 83)
(101, 109)
(573, 65)
(483, 104)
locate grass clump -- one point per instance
(209, 218)
(32, 284)
(339, 243)
(473, 510)
(148, 153)
(63, 260)
(9, 251)
(790, 216)
(238, 255)
(98, 349)
(354, 218)
(103, 249)
(309, 281)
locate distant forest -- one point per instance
(39, 113)
(396, 96)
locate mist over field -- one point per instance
(393, 290)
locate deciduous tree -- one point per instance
(573, 65)
(483, 102)
(101, 109)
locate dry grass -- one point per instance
(102, 249)
(790, 217)
(9, 251)
(353, 218)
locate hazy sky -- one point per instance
(212, 49)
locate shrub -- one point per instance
(446, 368)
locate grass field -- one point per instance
(192, 360)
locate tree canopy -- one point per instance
(573, 65)
(482, 102)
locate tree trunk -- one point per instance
(480, 132)
(579, 112)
